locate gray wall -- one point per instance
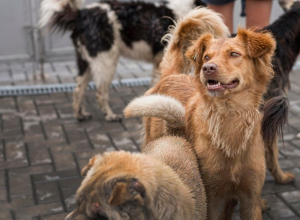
(16, 17)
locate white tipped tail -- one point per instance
(50, 7)
(160, 106)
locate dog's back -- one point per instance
(178, 154)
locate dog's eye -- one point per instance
(234, 54)
(206, 57)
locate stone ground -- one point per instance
(43, 148)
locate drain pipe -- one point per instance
(33, 38)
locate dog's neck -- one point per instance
(231, 122)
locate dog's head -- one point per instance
(227, 66)
(111, 189)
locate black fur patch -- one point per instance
(199, 3)
(94, 30)
(286, 31)
(142, 21)
(90, 26)
(82, 65)
(275, 116)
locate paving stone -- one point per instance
(271, 187)
(290, 151)
(2, 179)
(47, 192)
(25, 171)
(6, 215)
(296, 207)
(69, 198)
(22, 201)
(20, 186)
(28, 212)
(70, 183)
(278, 210)
(3, 194)
(55, 132)
(123, 143)
(64, 161)
(54, 217)
(293, 196)
(54, 176)
(15, 151)
(39, 156)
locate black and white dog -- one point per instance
(102, 32)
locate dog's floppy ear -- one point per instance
(257, 43)
(127, 191)
(195, 52)
(90, 164)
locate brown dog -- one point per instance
(164, 183)
(222, 115)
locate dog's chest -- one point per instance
(221, 175)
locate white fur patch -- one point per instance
(140, 50)
(180, 8)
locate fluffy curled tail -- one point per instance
(165, 107)
(275, 116)
(59, 13)
(197, 22)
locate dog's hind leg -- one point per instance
(103, 69)
(82, 82)
(84, 77)
(274, 167)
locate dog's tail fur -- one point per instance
(161, 106)
(275, 116)
(197, 22)
(60, 14)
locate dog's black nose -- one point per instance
(209, 68)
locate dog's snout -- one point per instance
(209, 68)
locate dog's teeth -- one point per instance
(219, 83)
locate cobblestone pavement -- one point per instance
(20, 73)
(43, 148)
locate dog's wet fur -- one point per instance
(161, 183)
(223, 116)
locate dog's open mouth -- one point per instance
(215, 85)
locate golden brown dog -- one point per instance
(222, 117)
(163, 183)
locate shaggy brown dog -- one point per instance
(164, 183)
(222, 117)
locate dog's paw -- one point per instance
(264, 205)
(286, 178)
(83, 117)
(113, 117)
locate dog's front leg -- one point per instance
(274, 167)
(228, 209)
(251, 207)
(213, 208)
